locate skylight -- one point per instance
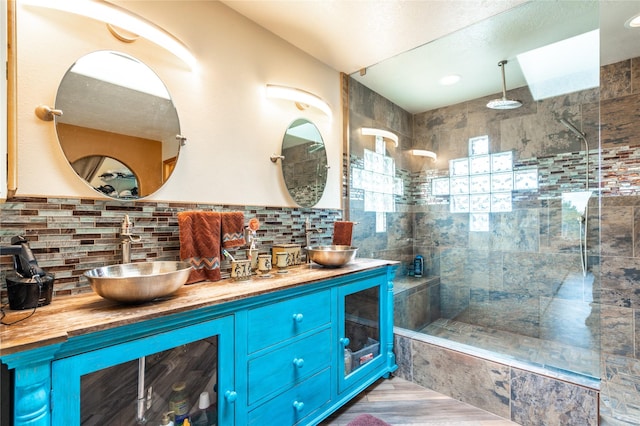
(564, 67)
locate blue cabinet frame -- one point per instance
(46, 388)
(67, 372)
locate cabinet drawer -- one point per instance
(282, 320)
(280, 369)
(297, 403)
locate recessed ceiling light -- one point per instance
(633, 22)
(449, 80)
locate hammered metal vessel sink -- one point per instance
(331, 255)
(138, 282)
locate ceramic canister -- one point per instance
(240, 270)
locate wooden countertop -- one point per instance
(77, 315)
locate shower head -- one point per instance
(573, 128)
(504, 103)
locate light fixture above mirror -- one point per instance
(115, 16)
(301, 98)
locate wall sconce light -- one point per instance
(116, 16)
(301, 98)
(424, 153)
(367, 131)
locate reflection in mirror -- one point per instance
(107, 175)
(304, 166)
(119, 125)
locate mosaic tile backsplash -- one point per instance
(70, 236)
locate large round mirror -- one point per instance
(304, 166)
(118, 127)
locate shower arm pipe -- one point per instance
(582, 136)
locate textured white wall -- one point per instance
(232, 129)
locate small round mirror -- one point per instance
(305, 162)
(119, 125)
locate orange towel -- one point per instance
(342, 233)
(232, 228)
(200, 244)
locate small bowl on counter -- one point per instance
(138, 282)
(331, 255)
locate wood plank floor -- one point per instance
(400, 402)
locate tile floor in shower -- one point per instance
(548, 354)
(569, 341)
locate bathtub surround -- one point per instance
(69, 236)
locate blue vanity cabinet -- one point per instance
(297, 369)
(100, 386)
(286, 352)
(289, 364)
(365, 332)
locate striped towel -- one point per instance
(200, 244)
(232, 228)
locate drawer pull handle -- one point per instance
(345, 341)
(298, 362)
(298, 317)
(230, 396)
(298, 405)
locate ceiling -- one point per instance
(405, 47)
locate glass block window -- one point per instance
(459, 167)
(479, 165)
(379, 182)
(480, 184)
(460, 185)
(502, 162)
(479, 145)
(440, 186)
(525, 179)
(480, 203)
(483, 183)
(459, 204)
(501, 182)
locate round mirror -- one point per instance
(119, 126)
(304, 166)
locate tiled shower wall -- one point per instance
(530, 238)
(69, 236)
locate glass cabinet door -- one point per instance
(174, 375)
(360, 330)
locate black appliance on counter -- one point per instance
(28, 285)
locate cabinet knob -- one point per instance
(345, 341)
(298, 405)
(230, 396)
(298, 362)
(298, 317)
